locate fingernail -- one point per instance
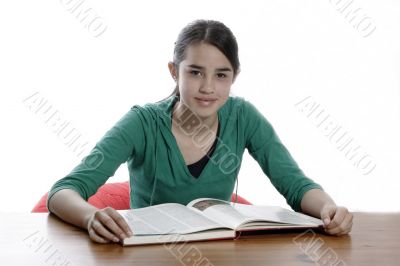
(326, 221)
(123, 236)
(115, 239)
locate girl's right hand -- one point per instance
(107, 225)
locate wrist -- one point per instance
(87, 218)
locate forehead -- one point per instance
(205, 55)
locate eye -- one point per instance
(195, 72)
(221, 75)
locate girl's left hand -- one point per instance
(337, 220)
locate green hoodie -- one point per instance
(157, 170)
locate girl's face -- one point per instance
(205, 78)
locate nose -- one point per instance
(207, 86)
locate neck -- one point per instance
(189, 122)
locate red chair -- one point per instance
(115, 195)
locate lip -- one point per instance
(204, 99)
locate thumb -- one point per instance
(327, 213)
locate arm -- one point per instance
(337, 220)
(67, 198)
(275, 160)
(70, 207)
(300, 192)
(103, 225)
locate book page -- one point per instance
(219, 211)
(169, 218)
(234, 215)
(276, 214)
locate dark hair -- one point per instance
(211, 32)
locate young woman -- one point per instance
(189, 145)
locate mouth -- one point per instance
(205, 101)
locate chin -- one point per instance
(205, 111)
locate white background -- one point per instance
(289, 50)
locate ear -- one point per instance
(173, 70)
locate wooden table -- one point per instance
(43, 239)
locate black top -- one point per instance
(196, 168)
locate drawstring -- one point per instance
(237, 172)
(155, 171)
(237, 183)
(237, 186)
(156, 154)
(156, 162)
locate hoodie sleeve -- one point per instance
(124, 140)
(275, 160)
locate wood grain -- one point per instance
(43, 239)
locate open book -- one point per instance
(208, 219)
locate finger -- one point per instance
(327, 214)
(349, 229)
(96, 238)
(120, 221)
(340, 228)
(338, 231)
(338, 218)
(109, 223)
(347, 224)
(100, 230)
(344, 232)
(344, 226)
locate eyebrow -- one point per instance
(218, 69)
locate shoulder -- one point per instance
(238, 107)
(157, 110)
(151, 115)
(242, 114)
